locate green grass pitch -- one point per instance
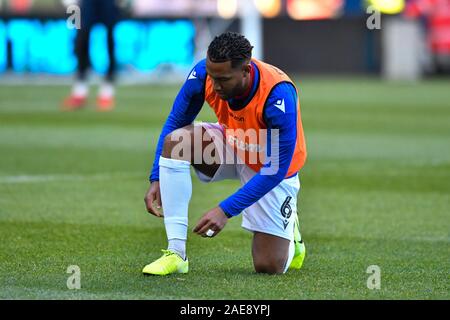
(375, 191)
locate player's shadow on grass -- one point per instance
(244, 271)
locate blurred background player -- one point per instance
(92, 12)
(436, 14)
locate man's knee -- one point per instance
(273, 266)
(178, 144)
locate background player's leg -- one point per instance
(109, 16)
(111, 74)
(82, 53)
(106, 91)
(271, 254)
(88, 14)
(80, 88)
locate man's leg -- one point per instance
(179, 152)
(273, 221)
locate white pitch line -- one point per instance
(66, 177)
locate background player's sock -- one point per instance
(80, 89)
(176, 190)
(106, 90)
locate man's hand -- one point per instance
(153, 194)
(215, 219)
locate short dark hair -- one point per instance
(230, 46)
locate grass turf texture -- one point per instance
(375, 192)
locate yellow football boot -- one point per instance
(169, 263)
(300, 249)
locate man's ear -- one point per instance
(246, 68)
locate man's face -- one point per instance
(228, 82)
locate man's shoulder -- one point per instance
(198, 72)
(271, 74)
(264, 64)
(282, 100)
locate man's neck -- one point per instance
(248, 89)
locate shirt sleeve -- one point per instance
(280, 113)
(185, 109)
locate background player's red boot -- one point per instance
(105, 103)
(73, 103)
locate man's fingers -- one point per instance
(212, 221)
(216, 231)
(207, 228)
(156, 211)
(149, 201)
(158, 198)
(200, 225)
(203, 228)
